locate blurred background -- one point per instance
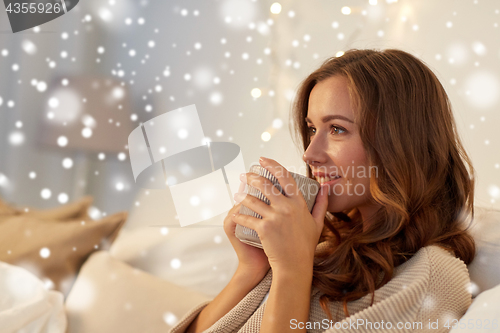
(72, 89)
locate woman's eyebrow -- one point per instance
(330, 117)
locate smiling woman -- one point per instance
(386, 112)
(386, 243)
(335, 143)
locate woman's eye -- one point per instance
(334, 130)
(339, 130)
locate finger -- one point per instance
(320, 205)
(283, 176)
(247, 221)
(234, 209)
(264, 185)
(241, 190)
(243, 184)
(228, 219)
(255, 204)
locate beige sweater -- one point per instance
(431, 286)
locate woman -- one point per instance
(386, 243)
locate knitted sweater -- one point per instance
(431, 287)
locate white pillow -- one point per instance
(110, 296)
(26, 306)
(200, 258)
(484, 270)
(483, 315)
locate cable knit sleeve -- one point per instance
(188, 318)
(238, 316)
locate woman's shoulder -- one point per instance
(436, 258)
(448, 274)
(432, 284)
(447, 293)
(440, 280)
(431, 273)
(433, 265)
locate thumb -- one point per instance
(321, 205)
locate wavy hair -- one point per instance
(425, 181)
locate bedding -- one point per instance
(196, 257)
(151, 276)
(54, 243)
(201, 259)
(26, 306)
(111, 296)
(7, 210)
(483, 315)
(77, 210)
(74, 210)
(484, 270)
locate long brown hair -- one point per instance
(425, 181)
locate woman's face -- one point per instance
(336, 148)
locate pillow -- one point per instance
(6, 209)
(201, 259)
(26, 306)
(484, 270)
(198, 257)
(74, 210)
(110, 296)
(483, 315)
(55, 251)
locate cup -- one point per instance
(307, 186)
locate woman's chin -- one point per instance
(334, 207)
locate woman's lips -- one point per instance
(322, 179)
(330, 183)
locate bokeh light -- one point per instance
(265, 136)
(346, 10)
(275, 8)
(256, 92)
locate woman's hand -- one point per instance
(289, 233)
(252, 260)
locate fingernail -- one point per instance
(262, 159)
(242, 176)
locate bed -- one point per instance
(61, 271)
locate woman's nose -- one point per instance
(315, 152)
